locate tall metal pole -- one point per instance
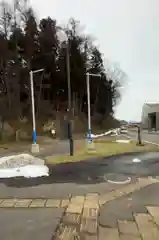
(33, 107)
(68, 77)
(69, 100)
(89, 109)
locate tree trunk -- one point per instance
(96, 100)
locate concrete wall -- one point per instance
(157, 120)
(146, 110)
(144, 117)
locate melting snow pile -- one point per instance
(113, 132)
(136, 160)
(22, 165)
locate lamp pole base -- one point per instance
(140, 144)
(90, 147)
(35, 148)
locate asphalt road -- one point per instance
(82, 177)
(150, 137)
(122, 209)
(78, 178)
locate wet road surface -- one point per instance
(81, 177)
(78, 179)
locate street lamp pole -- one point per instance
(89, 109)
(35, 147)
(89, 135)
(65, 43)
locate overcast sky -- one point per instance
(127, 32)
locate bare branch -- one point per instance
(115, 73)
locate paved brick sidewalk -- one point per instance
(80, 216)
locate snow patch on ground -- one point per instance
(123, 141)
(113, 132)
(30, 171)
(22, 165)
(136, 160)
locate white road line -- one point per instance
(151, 143)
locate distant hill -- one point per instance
(123, 122)
(134, 122)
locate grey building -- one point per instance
(150, 116)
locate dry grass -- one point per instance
(103, 149)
